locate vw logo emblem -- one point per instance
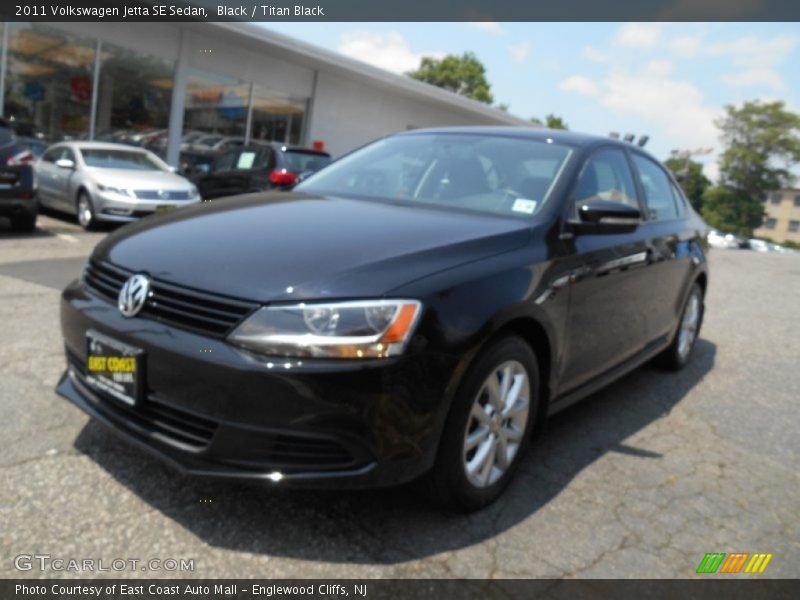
(133, 295)
(163, 194)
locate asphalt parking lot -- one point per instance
(640, 480)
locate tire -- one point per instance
(23, 222)
(456, 479)
(679, 352)
(84, 209)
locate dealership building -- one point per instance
(89, 80)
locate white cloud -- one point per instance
(658, 68)
(638, 35)
(756, 59)
(675, 109)
(686, 46)
(491, 27)
(519, 52)
(672, 110)
(390, 50)
(580, 84)
(594, 55)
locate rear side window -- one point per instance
(680, 200)
(6, 135)
(226, 161)
(606, 176)
(52, 155)
(657, 189)
(299, 161)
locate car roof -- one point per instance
(570, 138)
(89, 145)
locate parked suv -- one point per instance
(414, 309)
(18, 199)
(260, 167)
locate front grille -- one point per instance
(163, 194)
(151, 416)
(200, 312)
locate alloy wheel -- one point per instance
(689, 325)
(496, 424)
(84, 211)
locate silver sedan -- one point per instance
(109, 182)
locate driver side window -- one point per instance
(606, 176)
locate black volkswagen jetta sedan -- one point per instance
(416, 308)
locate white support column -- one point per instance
(95, 84)
(249, 124)
(178, 102)
(305, 134)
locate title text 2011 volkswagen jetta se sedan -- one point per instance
(416, 308)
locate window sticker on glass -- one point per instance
(246, 160)
(524, 205)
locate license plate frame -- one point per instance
(165, 208)
(114, 368)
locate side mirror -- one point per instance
(607, 216)
(173, 169)
(65, 163)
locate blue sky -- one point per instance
(667, 80)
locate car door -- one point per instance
(62, 180)
(45, 171)
(605, 323)
(214, 184)
(669, 239)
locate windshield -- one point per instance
(492, 174)
(300, 161)
(121, 159)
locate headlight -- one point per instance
(110, 189)
(363, 329)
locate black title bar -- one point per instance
(400, 10)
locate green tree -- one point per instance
(551, 121)
(762, 141)
(731, 210)
(464, 75)
(689, 174)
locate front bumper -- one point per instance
(211, 409)
(119, 208)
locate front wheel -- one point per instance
(85, 210)
(488, 428)
(677, 355)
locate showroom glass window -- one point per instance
(657, 189)
(48, 88)
(276, 116)
(133, 98)
(215, 104)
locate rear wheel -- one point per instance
(488, 428)
(85, 210)
(680, 351)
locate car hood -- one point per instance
(283, 246)
(138, 180)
